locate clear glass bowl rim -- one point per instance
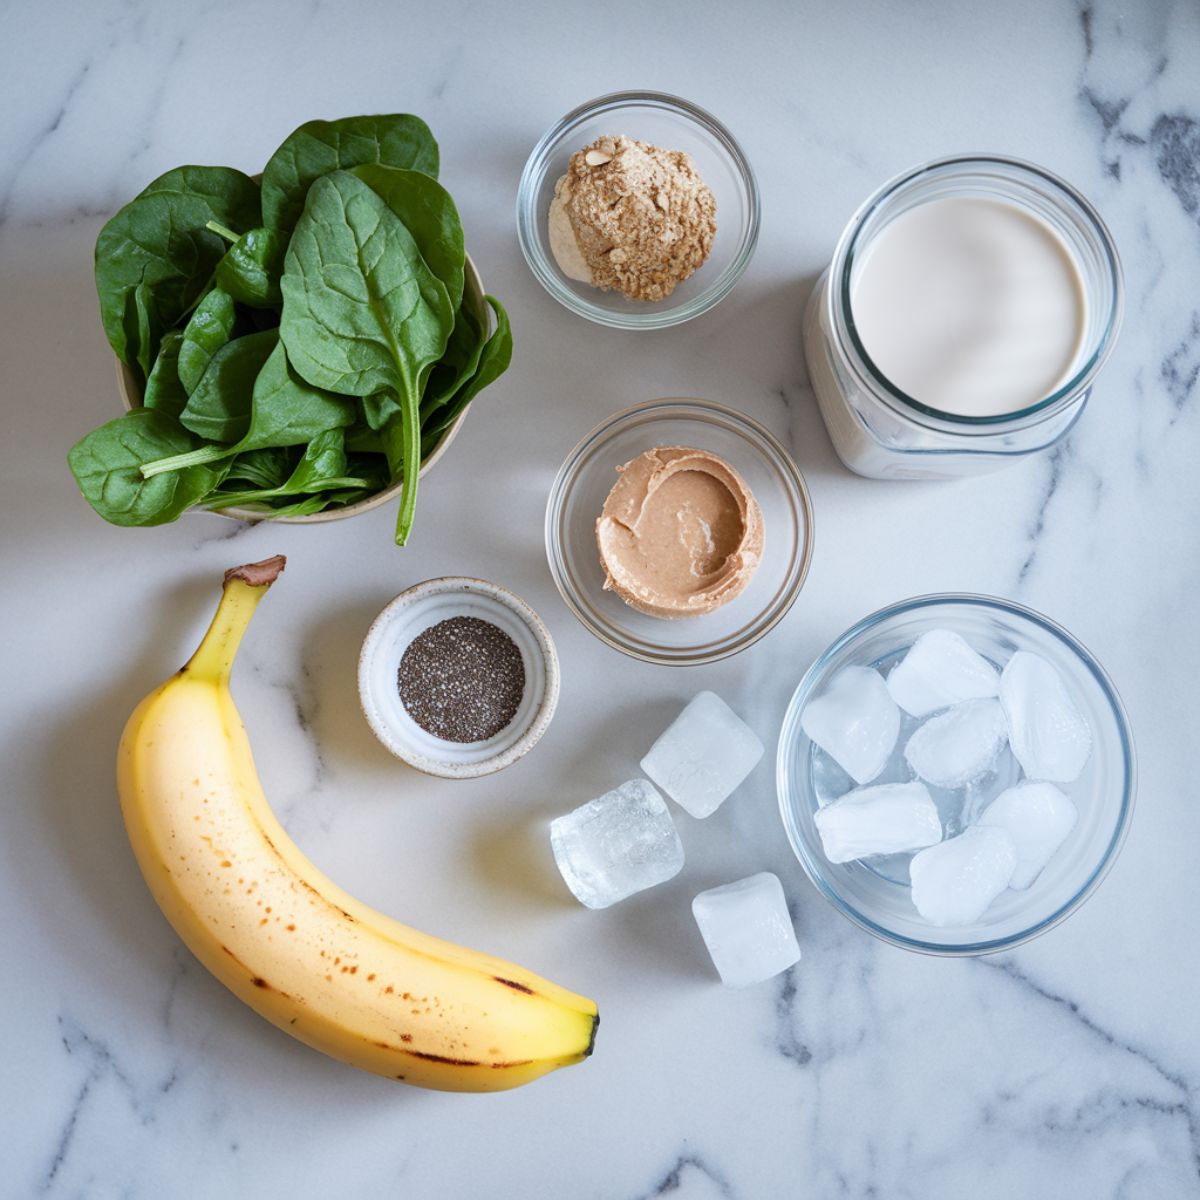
(652, 318)
(788, 739)
(838, 301)
(569, 469)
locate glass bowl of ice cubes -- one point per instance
(956, 774)
(584, 482)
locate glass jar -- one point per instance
(881, 432)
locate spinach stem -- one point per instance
(410, 431)
(222, 231)
(228, 499)
(177, 462)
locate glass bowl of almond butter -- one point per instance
(638, 210)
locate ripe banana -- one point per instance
(325, 968)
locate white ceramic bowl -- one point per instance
(414, 611)
(131, 397)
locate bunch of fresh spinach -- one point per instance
(300, 344)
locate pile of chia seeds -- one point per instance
(462, 679)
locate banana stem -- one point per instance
(244, 588)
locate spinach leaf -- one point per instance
(320, 147)
(324, 459)
(361, 437)
(429, 214)
(362, 311)
(320, 502)
(493, 362)
(155, 256)
(372, 467)
(208, 329)
(106, 465)
(322, 468)
(363, 315)
(284, 411)
(264, 468)
(305, 507)
(287, 411)
(457, 365)
(251, 267)
(164, 390)
(219, 408)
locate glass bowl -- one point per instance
(583, 483)
(1103, 794)
(674, 124)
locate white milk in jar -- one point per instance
(967, 309)
(970, 306)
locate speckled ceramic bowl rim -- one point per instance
(542, 714)
(131, 399)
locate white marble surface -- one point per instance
(1068, 1068)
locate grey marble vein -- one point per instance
(1181, 368)
(689, 1172)
(1185, 1107)
(1056, 461)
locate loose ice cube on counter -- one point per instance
(1038, 818)
(954, 882)
(855, 721)
(960, 745)
(618, 844)
(747, 929)
(886, 819)
(1050, 737)
(704, 755)
(939, 670)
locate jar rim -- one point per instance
(872, 378)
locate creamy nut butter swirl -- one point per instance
(680, 533)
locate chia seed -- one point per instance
(462, 679)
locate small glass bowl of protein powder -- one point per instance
(458, 677)
(969, 306)
(662, 125)
(873, 887)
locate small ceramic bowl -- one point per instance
(131, 397)
(414, 611)
(673, 124)
(588, 474)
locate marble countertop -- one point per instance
(1070, 1067)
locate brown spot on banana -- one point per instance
(512, 983)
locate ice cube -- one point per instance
(1038, 817)
(618, 844)
(886, 819)
(960, 745)
(1049, 735)
(703, 755)
(954, 881)
(854, 721)
(747, 929)
(939, 670)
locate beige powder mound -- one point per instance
(642, 217)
